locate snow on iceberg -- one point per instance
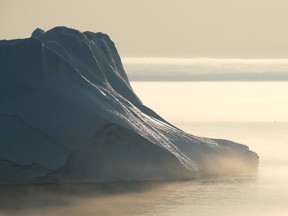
(69, 114)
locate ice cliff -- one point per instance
(69, 114)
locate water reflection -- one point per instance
(106, 199)
(213, 196)
(92, 199)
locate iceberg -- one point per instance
(69, 114)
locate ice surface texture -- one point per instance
(69, 114)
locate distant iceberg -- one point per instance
(69, 114)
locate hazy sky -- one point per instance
(162, 28)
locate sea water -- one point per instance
(252, 113)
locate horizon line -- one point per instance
(177, 60)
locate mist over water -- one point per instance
(105, 199)
(265, 193)
(250, 113)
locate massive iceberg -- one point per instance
(69, 114)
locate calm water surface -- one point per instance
(264, 193)
(252, 113)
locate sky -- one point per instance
(162, 28)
